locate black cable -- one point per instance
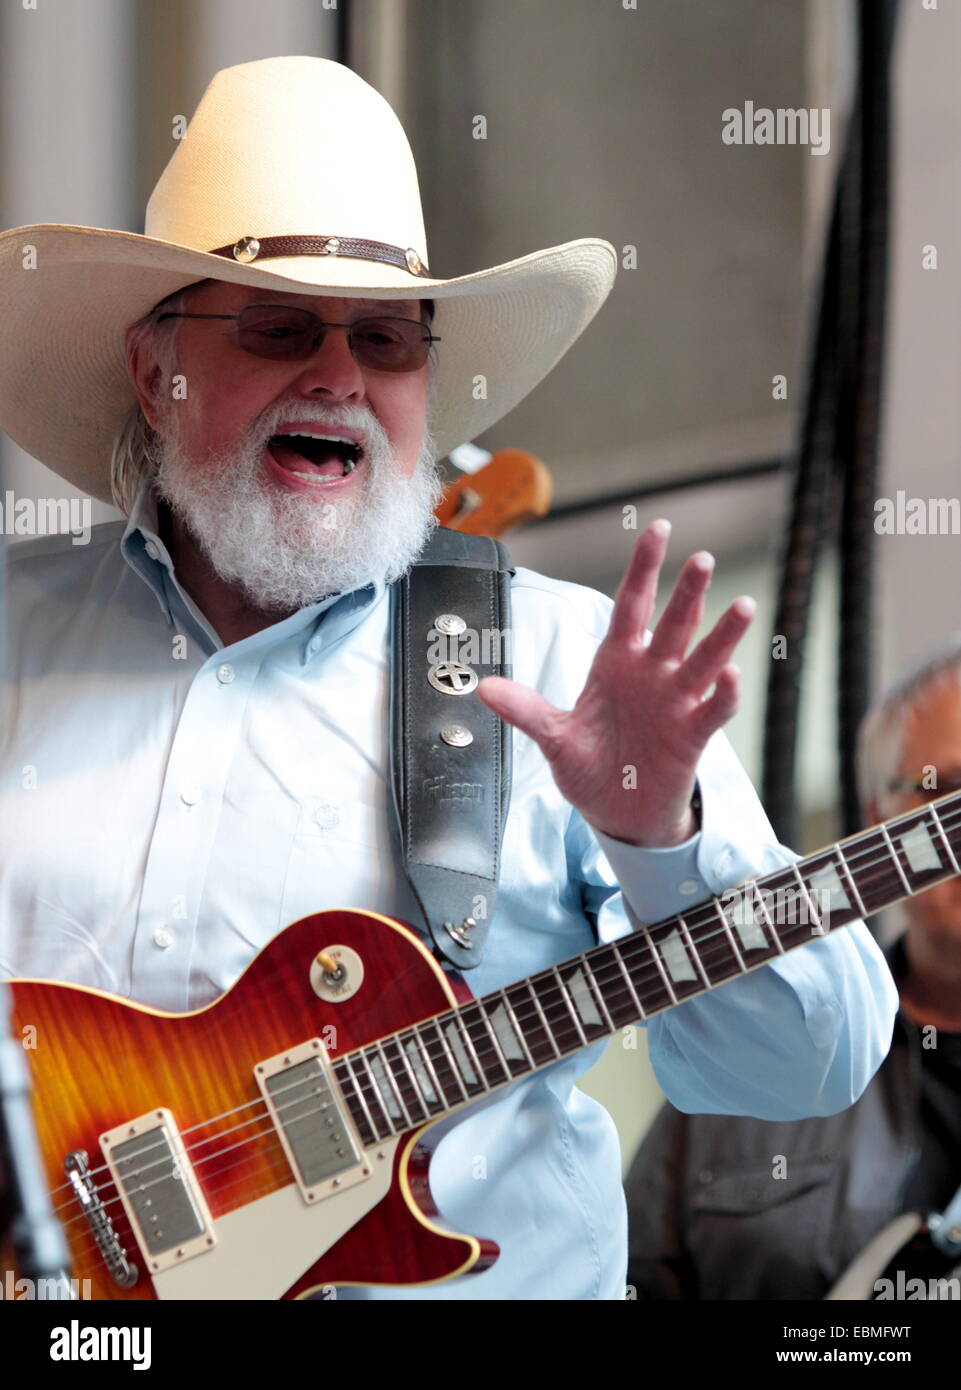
(598, 501)
(808, 519)
(866, 277)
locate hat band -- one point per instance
(251, 248)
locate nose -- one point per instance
(332, 372)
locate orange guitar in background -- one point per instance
(514, 487)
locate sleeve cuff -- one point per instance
(655, 883)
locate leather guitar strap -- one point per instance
(450, 756)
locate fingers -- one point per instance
(523, 708)
(719, 707)
(684, 609)
(703, 667)
(637, 591)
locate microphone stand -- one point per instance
(39, 1245)
(38, 1241)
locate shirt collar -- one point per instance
(145, 553)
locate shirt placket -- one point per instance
(201, 755)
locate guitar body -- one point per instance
(99, 1062)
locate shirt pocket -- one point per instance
(757, 1236)
(342, 855)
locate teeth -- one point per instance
(349, 467)
(310, 434)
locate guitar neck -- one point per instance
(432, 1068)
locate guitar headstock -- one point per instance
(514, 487)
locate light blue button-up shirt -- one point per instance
(167, 804)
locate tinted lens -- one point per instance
(290, 334)
(274, 331)
(390, 345)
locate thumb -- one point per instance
(525, 709)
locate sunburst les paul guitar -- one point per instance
(273, 1143)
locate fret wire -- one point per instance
(543, 1017)
(405, 1062)
(849, 876)
(698, 963)
(375, 1091)
(392, 1084)
(450, 1057)
(517, 1029)
(947, 842)
(767, 916)
(465, 1033)
(570, 1006)
(345, 1060)
(730, 935)
(423, 1051)
(595, 989)
(496, 1041)
(641, 1011)
(897, 861)
(818, 928)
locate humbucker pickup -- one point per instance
(159, 1189)
(322, 1146)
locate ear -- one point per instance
(145, 375)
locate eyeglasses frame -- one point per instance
(430, 338)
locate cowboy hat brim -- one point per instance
(69, 294)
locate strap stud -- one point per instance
(450, 624)
(460, 933)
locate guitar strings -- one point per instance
(486, 1047)
(375, 1092)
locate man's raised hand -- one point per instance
(642, 706)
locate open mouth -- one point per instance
(315, 456)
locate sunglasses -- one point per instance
(288, 334)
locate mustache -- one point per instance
(359, 418)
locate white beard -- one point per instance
(286, 550)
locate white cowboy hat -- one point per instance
(294, 175)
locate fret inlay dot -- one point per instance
(675, 957)
(460, 1053)
(505, 1034)
(420, 1071)
(387, 1098)
(829, 891)
(919, 848)
(742, 913)
(580, 992)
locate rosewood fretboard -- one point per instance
(415, 1076)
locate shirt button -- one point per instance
(190, 796)
(163, 938)
(225, 673)
(688, 885)
(152, 550)
(327, 817)
(723, 862)
(313, 646)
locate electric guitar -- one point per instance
(269, 1145)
